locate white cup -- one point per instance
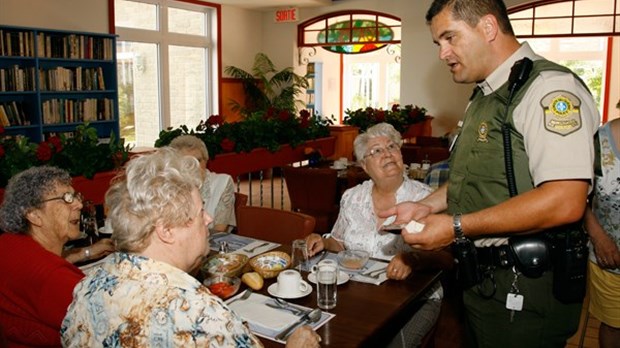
(326, 285)
(290, 284)
(340, 165)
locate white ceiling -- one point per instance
(265, 4)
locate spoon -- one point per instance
(285, 305)
(310, 317)
(243, 297)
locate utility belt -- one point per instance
(562, 250)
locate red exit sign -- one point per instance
(287, 15)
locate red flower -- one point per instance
(2, 152)
(284, 115)
(227, 145)
(414, 114)
(44, 152)
(215, 120)
(380, 116)
(270, 113)
(395, 108)
(1, 129)
(56, 143)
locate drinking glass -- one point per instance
(326, 286)
(299, 255)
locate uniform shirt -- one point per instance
(134, 301)
(606, 201)
(551, 156)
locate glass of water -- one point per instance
(326, 285)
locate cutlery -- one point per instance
(282, 303)
(243, 297)
(375, 272)
(310, 317)
(293, 310)
(251, 250)
(377, 275)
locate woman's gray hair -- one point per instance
(190, 142)
(360, 145)
(24, 192)
(154, 188)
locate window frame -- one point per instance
(213, 80)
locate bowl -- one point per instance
(270, 264)
(224, 264)
(222, 286)
(353, 259)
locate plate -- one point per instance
(273, 291)
(343, 277)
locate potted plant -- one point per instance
(82, 154)
(402, 118)
(267, 87)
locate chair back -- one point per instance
(275, 225)
(241, 200)
(313, 191)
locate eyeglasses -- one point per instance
(67, 197)
(380, 151)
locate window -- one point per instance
(167, 61)
(368, 44)
(575, 34)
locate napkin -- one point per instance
(255, 312)
(370, 266)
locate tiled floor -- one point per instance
(589, 338)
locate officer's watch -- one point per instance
(458, 229)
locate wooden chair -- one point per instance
(313, 191)
(241, 200)
(275, 225)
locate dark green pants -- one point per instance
(543, 322)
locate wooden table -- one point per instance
(367, 315)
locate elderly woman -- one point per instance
(218, 190)
(142, 296)
(40, 213)
(359, 227)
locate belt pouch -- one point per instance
(531, 254)
(569, 252)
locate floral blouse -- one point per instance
(606, 201)
(356, 226)
(134, 301)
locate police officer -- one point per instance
(551, 118)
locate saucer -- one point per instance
(273, 291)
(343, 277)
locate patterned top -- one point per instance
(606, 201)
(218, 194)
(357, 225)
(134, 301)
(438, 174)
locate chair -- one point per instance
(274, 225)
(240, 201)
(313, 191)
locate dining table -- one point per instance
(366, 315)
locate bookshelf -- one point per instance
(313, 92)
(53, 80)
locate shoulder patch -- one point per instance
(562, 112)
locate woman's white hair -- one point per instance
(154, 189)
(360, 145)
